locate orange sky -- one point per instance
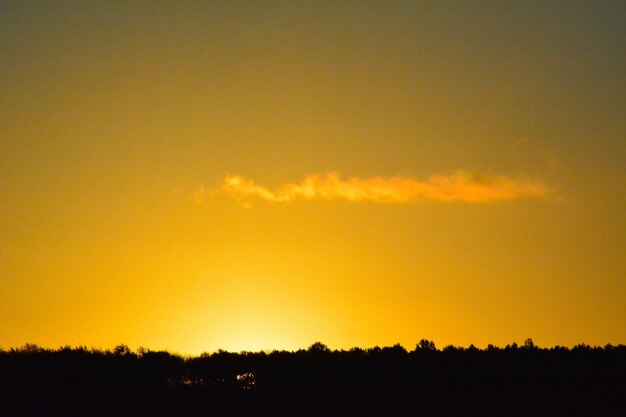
(248, 175)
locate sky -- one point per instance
(236, 175)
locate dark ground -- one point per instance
(511, 381)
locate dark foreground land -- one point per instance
(510, 381)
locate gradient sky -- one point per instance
(248, 175)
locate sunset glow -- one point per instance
(200, 175)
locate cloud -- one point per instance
(460, 186)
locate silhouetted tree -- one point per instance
(122, 350)
(318, 347)
(425, 345)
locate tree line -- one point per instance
(510, 380)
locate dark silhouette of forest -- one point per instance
(514, 380)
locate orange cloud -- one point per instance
(460, 186)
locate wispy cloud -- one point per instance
(460, 186)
